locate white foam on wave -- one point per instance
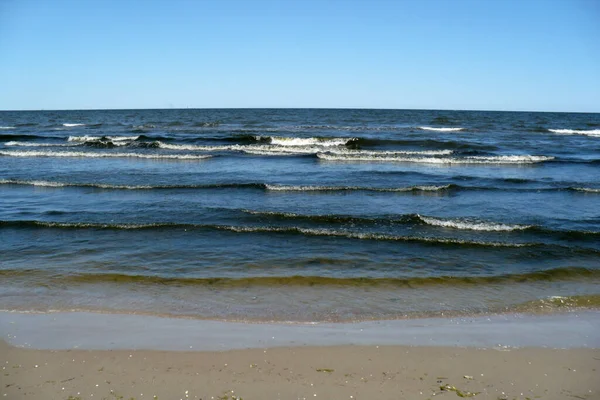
(512, 159)
(302, 188)
(60, 184)
(367, 236)
(270, 149)
(296, 141)
(170, 146)
(587, 190)
(591, 132)
(472, 225)
(33, 144)
(87, 138)
(72, 125)
(32, 183)
(102, 155)
(7, 127)
(430, 128)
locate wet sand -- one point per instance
(70, 356)
(344, 372)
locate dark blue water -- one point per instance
(299, 214)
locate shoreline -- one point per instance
(101, 331)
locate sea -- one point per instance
(299, 215)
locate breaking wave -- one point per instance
(308, 188)
(271, 229)
(33, 144)
(472, 225)
(587, 190)
(99, 138)
(72, 125)
(102, 155)
(512, 159)
(296, 141)
(591, 132)
(429, 128)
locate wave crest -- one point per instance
(472, 225)
(591, 132)
(507, 159)
(441, 129)
(82, 154)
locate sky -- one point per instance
(528, 55)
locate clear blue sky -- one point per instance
(440, 54)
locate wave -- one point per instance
(271, 229)
(551, 275)
(308, 188)
(296, 141)
(129, 187)
(304, 149)
(429, 128)
(99, 138)
(472, 225)
(586, 190)
(34, 144)
(511, 159)
(82, 154)
(7, 127)
(560, 302)
(592, 132)
(405, 219)
(72, 125)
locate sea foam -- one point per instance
(296, 141)
(509, 159)
(471, 225)
(98, 138)
(102, 155)
(305, 188)
(430, 128)
(72, 125)
(592, 132)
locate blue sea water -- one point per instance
(299, 214)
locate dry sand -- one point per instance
(342, 372)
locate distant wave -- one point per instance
(587, 190)
(34, 144)
(7, 127)
(270, 229)
(102, 155)
(72, 125)
(592, 132)
(128, 187)
(302, 188)
(550, 275)
(98, 138)
(286, 188)
(269, 149)
(429, 128)
(513, 159)
(472, 225)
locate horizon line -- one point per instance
(293, 108)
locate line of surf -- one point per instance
(81, 154)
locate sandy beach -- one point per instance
(71, 356)
(344, 372)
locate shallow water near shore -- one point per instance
(299, 215)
